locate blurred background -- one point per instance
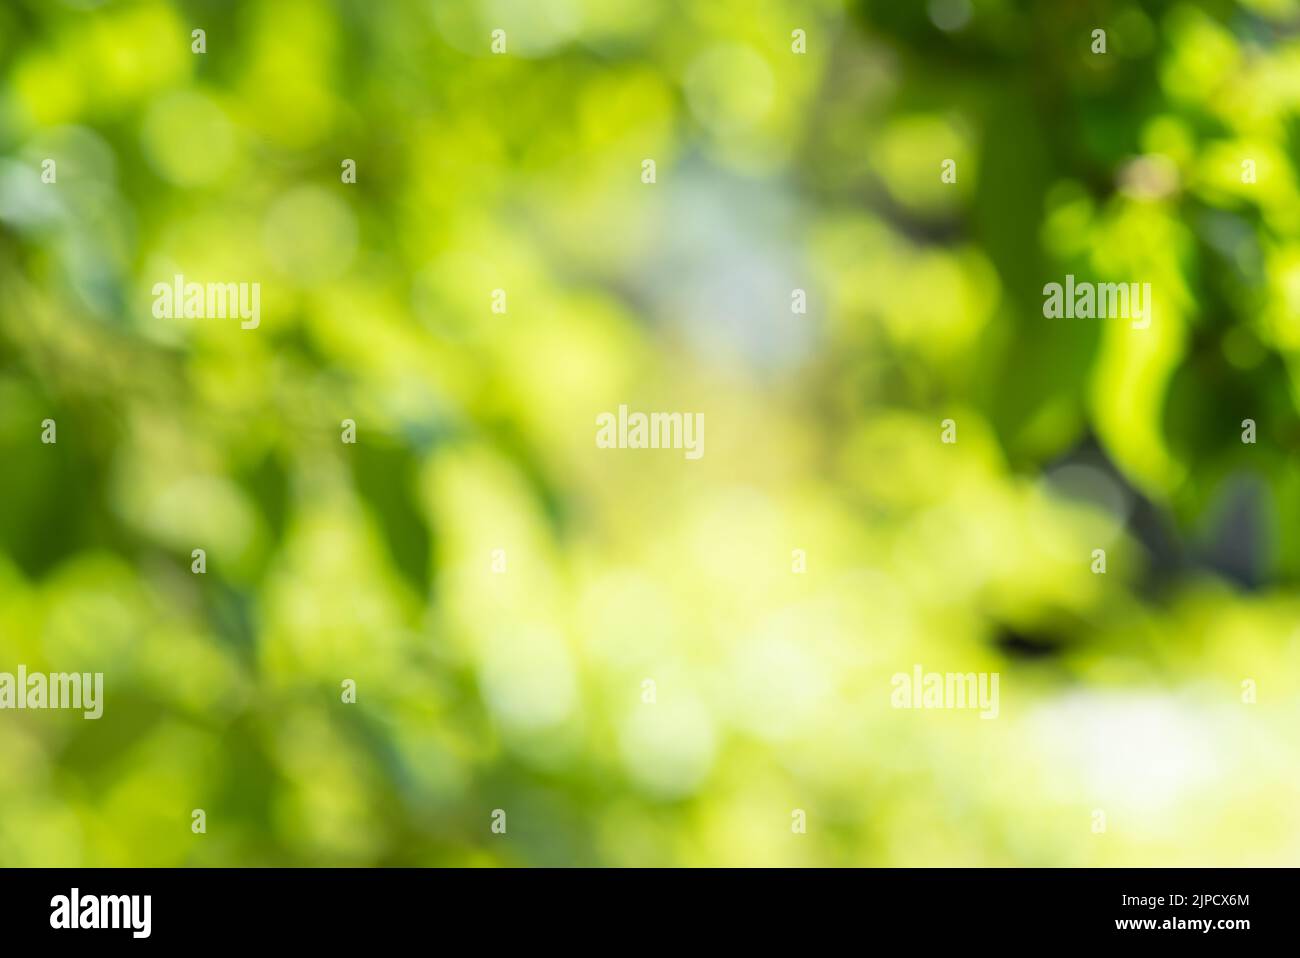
(525, 690)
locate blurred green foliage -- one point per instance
(523, 691)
